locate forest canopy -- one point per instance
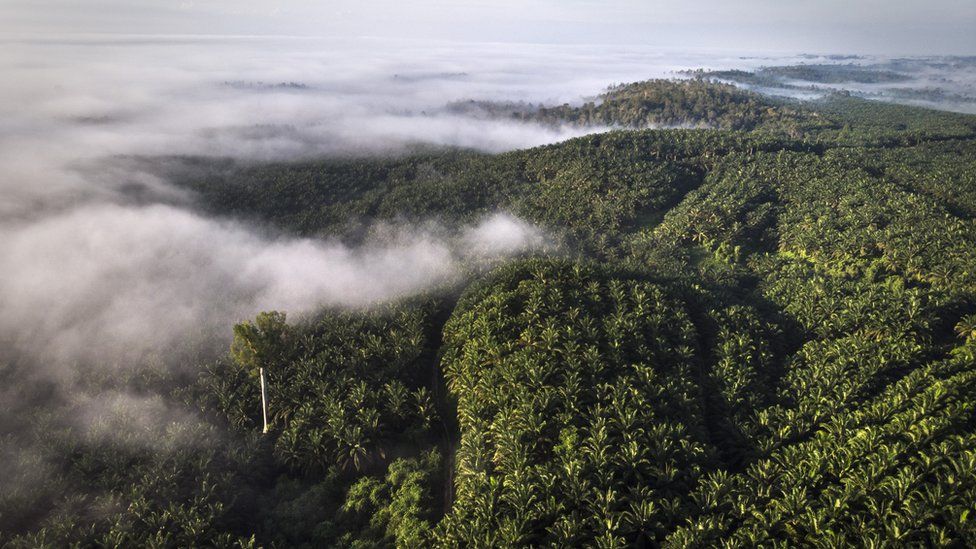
(757, 327)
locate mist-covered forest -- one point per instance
(734, 320)
(363, 294)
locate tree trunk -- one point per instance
(264, 402)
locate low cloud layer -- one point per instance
(109, 282)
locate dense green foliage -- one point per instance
(580, 410)
(693, 103)
(895, 80)
(837, 73)
(825, 74)
(762, 337)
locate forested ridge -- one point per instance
(898, 80)
(757, 329)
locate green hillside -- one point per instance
(760, 331)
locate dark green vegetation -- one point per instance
(751, 337)
(681, 103)
(898, 80)
(824, 74)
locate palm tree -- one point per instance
(266, 342)
(966, 327)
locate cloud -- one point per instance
(108, 282)
(501, 234)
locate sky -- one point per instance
(820, 26)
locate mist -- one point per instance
(111, 283)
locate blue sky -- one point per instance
(864, 26)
